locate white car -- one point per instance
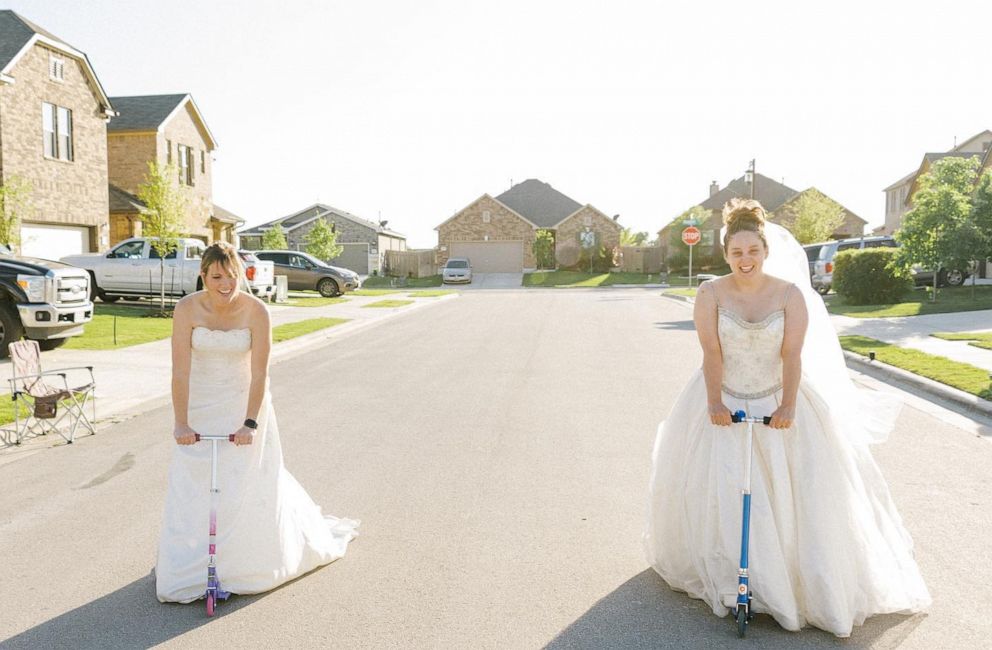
(457, 269)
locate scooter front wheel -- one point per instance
(741, 621)
(210, 604)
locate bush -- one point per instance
(870, 276)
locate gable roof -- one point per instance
(957, 149)
(220, 214)
(825, 195)
(18, 35)
(305, 216)
(121, 201)
(770, 193)
(539, 203)
(152, 112)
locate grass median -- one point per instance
(313, 301)
(379, 281)
(956, 374)
(917, 303)
(430, 294)
(384, 304)
(289, 331)
(977, 339)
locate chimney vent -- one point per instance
(714, 188)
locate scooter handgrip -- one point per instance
(231, 437)
(737, 416)
(767, 419)
(197, 437)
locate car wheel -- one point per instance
(328, 288)
(108, 299)
(822, 290)
(94, 290)
(51, 344)
(11, 328)
(954, 278)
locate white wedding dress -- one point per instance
(827, 546)
(269, 531)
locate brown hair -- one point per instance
(743, 214)
(224, 254)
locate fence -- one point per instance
(410, 264)
(640, 259)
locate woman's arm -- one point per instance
(182, 332)
(796, 320)
(705, 316)
(261, 346)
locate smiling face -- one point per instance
(219, 283)
(746, 254)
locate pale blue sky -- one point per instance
(414, 109)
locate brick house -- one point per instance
(364, 242)
(167, 129)
(53, 135)
(778, 200)
(498, 233)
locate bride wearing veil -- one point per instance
(827, 545)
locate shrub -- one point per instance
(870, 276)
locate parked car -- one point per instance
(306, 273)
(824, 267)
(41, 300)
(457, 269)
(812, 255)
(260, 275)
(132, 269)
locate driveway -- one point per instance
(493, 281)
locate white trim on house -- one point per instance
(486, 196)
(199, 118)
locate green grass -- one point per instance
(917, 303)
(313, 301)
(289, 331)
(389, 303)
(962, 376)
(689, 293)
(978, 339)
(7, 409)
(430, 294)
(375, 292)
(580, 279)
(376, 281)
(134, 327)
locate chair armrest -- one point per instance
(90, 368)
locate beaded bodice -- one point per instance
(752, 353)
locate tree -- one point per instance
(15, 206)
(163, 219)
(813, 217)
(981, 218)
(274, 239)
(322, 241)
(544, 249)
(630, 238)
(938, 233)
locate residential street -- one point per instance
(497, 449)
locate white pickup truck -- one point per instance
(131, 269)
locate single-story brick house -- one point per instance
(365, 243)
(498, 233)
(777, 199)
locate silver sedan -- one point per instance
(458, 269)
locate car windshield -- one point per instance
(457, 264)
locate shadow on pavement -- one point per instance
(130, 617)
(645, 613)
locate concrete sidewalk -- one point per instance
(133, 379)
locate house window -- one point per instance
(203, 162)
(56, 68)
(56, 124)
(486, 217)
(185, 155)
(168, 152)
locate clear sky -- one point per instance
(412, 110)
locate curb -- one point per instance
(893, 375)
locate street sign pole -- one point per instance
(690, 266)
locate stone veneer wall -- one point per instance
(503, 225)
(607, 230)
(70, 193)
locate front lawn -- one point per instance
(375, 292)
(289, 331)
(978, 339)
(118, 326)
(430, 294)
(376, 281)
(962, 376)
(917, 303)
(389, 303)
(580, 279)
(313, 301)
(688, 293)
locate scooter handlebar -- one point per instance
(229, 438)
(741, 416)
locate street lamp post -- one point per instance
(749, 177)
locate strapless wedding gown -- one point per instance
(269, 531)
(827, 546)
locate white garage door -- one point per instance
(491, 256)
(53, 242)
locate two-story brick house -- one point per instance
(167, 129)
(53, 136)
(364, 242)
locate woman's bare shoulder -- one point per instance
(187, 306)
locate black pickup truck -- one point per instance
(41, 300)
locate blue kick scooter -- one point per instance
(742, 608)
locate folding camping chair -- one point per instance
(47, 404)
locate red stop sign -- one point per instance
(691, 236)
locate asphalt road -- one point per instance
(496, 448)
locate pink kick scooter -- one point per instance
(214, 592)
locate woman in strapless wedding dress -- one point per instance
(827, 545)
(269, 529)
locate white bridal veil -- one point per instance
(864, 416)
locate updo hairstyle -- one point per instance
(224, 254)
(743, 214)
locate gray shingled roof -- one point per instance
(15, 31)
(318, 209)
(770, 193)
(142, 113)
(121, 201)
(537, 201)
